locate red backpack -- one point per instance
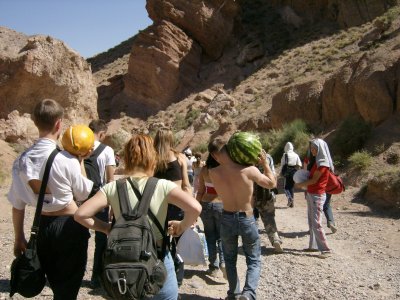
(335, 184)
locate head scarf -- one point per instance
(288, 147)
(323, 157)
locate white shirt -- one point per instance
(293, 159)
(65, 178)
(106, 158)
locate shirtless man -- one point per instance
(234, 185)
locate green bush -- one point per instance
(201, 148)
(295, 132)
(183, 122)
(360, 160)
(350, 136)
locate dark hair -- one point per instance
(215, 145)
(98, 125)
(211, 162)
(46, 113)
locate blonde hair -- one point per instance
(163, 143)
(139, 152)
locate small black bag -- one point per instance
(27, 276)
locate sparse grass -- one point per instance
(211, 125)
(179, 123)
(378, 149)
(201, 148)
(182, 122)
(360, 160)
(351, 136)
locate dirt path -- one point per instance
(366, 263)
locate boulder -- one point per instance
(209, 22)
(18, 129)
(38, 67)
(383, 190)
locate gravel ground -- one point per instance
(365, 264)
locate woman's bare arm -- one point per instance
(190, 206)
(85, 214)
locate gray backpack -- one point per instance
(132, 268)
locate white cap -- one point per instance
(188, 152)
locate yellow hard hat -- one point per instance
(78, 140)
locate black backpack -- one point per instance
(93, 170)
(132, 268)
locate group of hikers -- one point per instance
(227, 196)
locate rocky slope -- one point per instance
(210, 67)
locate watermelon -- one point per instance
(244, 148)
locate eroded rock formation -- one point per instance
(166, 57)
(38, 67)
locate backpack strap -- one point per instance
(150, 185)
(98, 150)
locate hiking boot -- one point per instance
(243, 297)
(290, 203)
(325, 254)
(223, 270)
(333, 227)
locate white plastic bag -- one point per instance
(192, 247)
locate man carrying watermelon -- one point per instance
(233, 180)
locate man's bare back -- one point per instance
(234, 182)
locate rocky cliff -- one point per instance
(38, 67)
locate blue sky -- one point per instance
(88, 26)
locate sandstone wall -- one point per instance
(367, 86)
(209, 22)
(163, 58)
(166, 57)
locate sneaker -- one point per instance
(332, 227)
(278, 246)
(213, 272)
(290, 203)
(243, 297)
(223, 270)
(325, 254)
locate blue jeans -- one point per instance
(233, 225)
(328, 210)
(289, 188)
(169, 290)
(211, 216)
